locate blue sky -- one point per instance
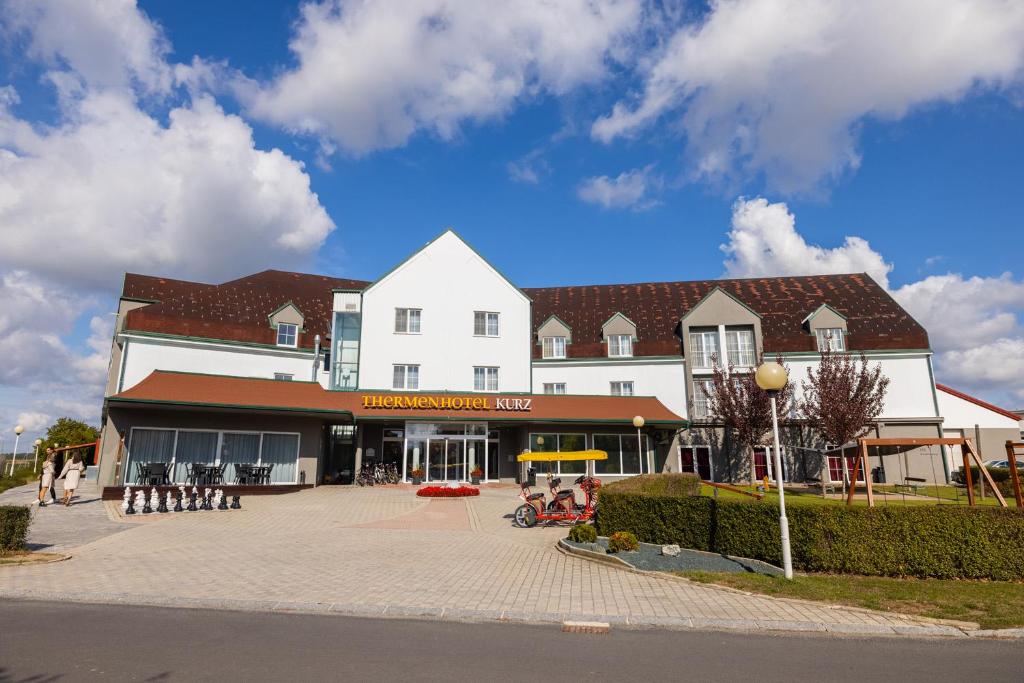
(651, 141)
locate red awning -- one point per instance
(164, 388)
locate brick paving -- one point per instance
(56, 528)
(383, 551)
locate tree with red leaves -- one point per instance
(737, 403)
(843, 396)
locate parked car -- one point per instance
(1003, 464)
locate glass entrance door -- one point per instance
(436, 456)
(456, 460)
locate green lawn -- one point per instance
(884, 495)
(992, 604)
(22, 475)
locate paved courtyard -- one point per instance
(383, 551)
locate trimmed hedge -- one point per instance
(14, 520)
(923, 541)
(670, 484)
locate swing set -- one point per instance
(902, 445)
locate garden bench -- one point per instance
(912, 483)
(827, 487)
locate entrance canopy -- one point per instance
(562, 456)
(219, 392)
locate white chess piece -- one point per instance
(140, 500)
(154, 499)
(127, 497)
(171, 500)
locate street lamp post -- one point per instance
(35, 463)
(772, 378)
(638, 422)
(18, 429)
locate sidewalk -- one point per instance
(385, 552)
(56, 528)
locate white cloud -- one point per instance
(973, 324)
(529, 168)
(629, 189)
(777, 87)
(764, 242)
(108, 43)
(34, 422)
(372, 74)
(113, 189)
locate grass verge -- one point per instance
(992, 604)
(22, 476)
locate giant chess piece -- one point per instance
(127, 497)
(147, 508)
(140, 499)
(192, 501)
(162, 506)
(205, 505)
(223, 504)
(235, 504)
(177, 505)
(130, 509)
(154, 498)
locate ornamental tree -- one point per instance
(843, 396)
(736, 402)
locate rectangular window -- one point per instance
(830, 339)
(620, 345)
(553, 347)
(739, 343)
(407, 320)
(623, 456)
(554, 387)
(284, 376)
(287, 334)
(548, 443)
(406, 377)
(622, 388)
(485, 324)
(703, 348)
(701, 401)
(485, 379)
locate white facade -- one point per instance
(144, 354)
(959, 413)
(447, 282)
(911, 393)
(665, 379)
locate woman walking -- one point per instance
(72, 472)
(46, 479)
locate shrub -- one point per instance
(447, 492)
(943, 541)
(622, 541)
(14, 520)
(684, 484)
(583, 533)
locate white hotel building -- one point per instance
(445, 365)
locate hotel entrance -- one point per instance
(449, 451)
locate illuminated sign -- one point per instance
(482, 403)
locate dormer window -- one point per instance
(553, 347)
(287, 334)
(830, 339)
(620, 346)
(739, 346)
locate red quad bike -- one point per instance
(563, 506)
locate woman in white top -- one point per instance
(46, 480)
(72, 472)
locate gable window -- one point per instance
(485, 324)
(407, 320)
(485, 379)
(284, 376)
(553, 347)
(703, 347)
(622, 388)
(554, 388)
(406, 377)
(287, 334)
(830, 339)
(620, 345)
(739, 346)
(702, 389)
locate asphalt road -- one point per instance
(66, 642)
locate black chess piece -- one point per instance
(162, 505)
(192, 502)
(131, 506)
(223, 504)
(235, 504)
(177, 504)
(206, 504)
(146, 508)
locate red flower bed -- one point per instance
(447, 492)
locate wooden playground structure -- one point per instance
(967, 450)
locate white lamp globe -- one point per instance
(771, 376)
(638, 421)
(18, 430)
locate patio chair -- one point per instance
(157, 473)
(265, 474)
(140, 473)
(217, 474)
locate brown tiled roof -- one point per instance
(183, 388)
(874, 319)
(236, 310)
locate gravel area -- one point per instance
(649, 558)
